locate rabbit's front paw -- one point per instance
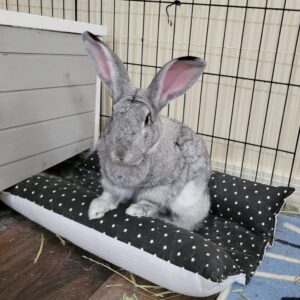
(143, 209)
(99, 207)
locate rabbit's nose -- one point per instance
(120, 153)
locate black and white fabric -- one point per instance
(226, 248)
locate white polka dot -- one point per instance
(191, 237)
(207, 265)
(194, 247)
(152, 229)
(25, 189)
(235, 192)
(60, 204)
(263, 224)
(82, 203)
(139, 236)
(207, 254)
(50, 200)
(151, 241)
(115, 215)
(126, 220)
(192, 259)
(73, 199)
(235, 202)
(140, 224)
(70, 209)
(255, 191)
(247, 206)
(259, 212)
(125, 230)
(179, 241)
(246, 196)
(165, 247)
(113, 225)
(80, 214)
(178, 253)
(251, 218)
(165, 234)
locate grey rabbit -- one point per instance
(159, 163)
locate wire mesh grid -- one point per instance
(246, 105)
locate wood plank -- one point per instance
(24, 107)
(49, 23)
(17, 171)
(21, 71)
(60, 272)
(24, 141)
(39, 41)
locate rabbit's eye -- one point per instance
(148, 120)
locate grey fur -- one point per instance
(164, 165)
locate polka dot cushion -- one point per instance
(250, 204)
(227, 247)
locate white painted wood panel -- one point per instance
(21, 71)
(25, 141)
(39, 41)
(48, 23)
(24, 107)
(17, 171)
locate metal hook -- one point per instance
(176, 3)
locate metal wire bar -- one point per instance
(254, 84)
(219, 79)
(228, 76)
(270, 91)
(173, 44)
(142, 50)
(188, 53)
(157, 40)
(284, 108)
(205, 48)
(235, 87)
(220, 5)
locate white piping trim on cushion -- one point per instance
(119, 253)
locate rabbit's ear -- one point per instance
(108, 65)
(174, 79)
